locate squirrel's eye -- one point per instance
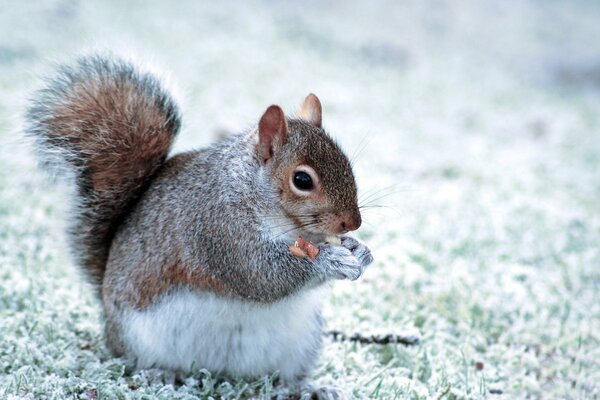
(303, 181)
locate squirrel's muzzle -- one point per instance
(350, 222)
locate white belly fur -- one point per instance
(200, 330)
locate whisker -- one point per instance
(386, 191)
(380, 207)
(292, 223)
(365, 141)
(377, 196)
(307, 225)
(285, 216)
(369, 192)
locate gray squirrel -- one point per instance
(190, 254)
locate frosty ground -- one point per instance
(476, 130)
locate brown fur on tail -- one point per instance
(112, 127)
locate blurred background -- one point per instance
(475, 126)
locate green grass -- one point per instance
(477, 122)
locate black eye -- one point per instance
(303, 181)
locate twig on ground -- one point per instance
(407, 340)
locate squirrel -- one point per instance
(189, 254)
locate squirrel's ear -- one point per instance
(311, 110)
(272, 132)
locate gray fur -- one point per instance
(211, 211)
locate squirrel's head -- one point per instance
(313, 176)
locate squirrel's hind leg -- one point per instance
(161, 376)
(323, 393)
(305, 390)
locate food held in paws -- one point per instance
(297, 251)
(304, 248)
(333, 239)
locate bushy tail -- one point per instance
(112, 127)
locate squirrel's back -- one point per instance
(111, 127)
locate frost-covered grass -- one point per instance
(478, 123)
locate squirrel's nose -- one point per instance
(350, 222)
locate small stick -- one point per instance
(409, 340)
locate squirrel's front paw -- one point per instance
(340, 263)
(358, 250)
